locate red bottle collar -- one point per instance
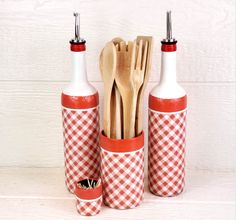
(169, 46)
(79, 102)
(77, 47)
(167, 105)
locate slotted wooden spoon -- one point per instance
(108, 60)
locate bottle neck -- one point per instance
(168, 68)
(79, 67)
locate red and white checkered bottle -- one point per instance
(80, 114)
(167, 126)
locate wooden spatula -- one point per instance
(138, 120)
(108, 69)
(124, 81)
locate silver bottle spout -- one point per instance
(77, 39)
(168, 26)
(77, 25)
(169, 38)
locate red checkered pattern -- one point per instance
(89, 207)
(122, 178)
(81, 147)
(166, 153)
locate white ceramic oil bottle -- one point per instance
(167, 125)
(80, 114)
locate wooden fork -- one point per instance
(138, 121)
(124, 82)
(139, 72)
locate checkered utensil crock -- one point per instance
(122, 171)
(88, 201)
(81, 136)
(166, 146)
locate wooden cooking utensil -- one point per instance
(113, 113)
(118, 114)
(138, 120)
(124, 81)
(139, 70)
(108, 70)
(116, 127)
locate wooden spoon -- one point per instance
(108, 70)
(124, 81)
(116, 111)
(138, 120)
(116, 131)
(113, 113)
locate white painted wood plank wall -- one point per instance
(35, 66)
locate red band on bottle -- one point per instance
(121, 145)
(167, 105)
(168, 47)
(77, 47)
(79, 102)
(88, 194)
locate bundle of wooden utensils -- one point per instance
(125, 71)
(89, 184)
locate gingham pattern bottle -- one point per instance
(80, 114)
(167, 126)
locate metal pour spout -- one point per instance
(77, 38)
(168, 25)
(169, 37)
(77, 25)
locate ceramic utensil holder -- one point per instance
(166, 145)
(88, 201)
(81, 138)
(122, 171)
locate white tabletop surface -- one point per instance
(39, 193)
